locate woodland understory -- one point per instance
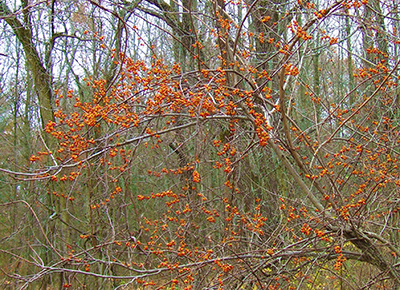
(190, 144)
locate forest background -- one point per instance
(197, 144)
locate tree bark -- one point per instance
(41, 77)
